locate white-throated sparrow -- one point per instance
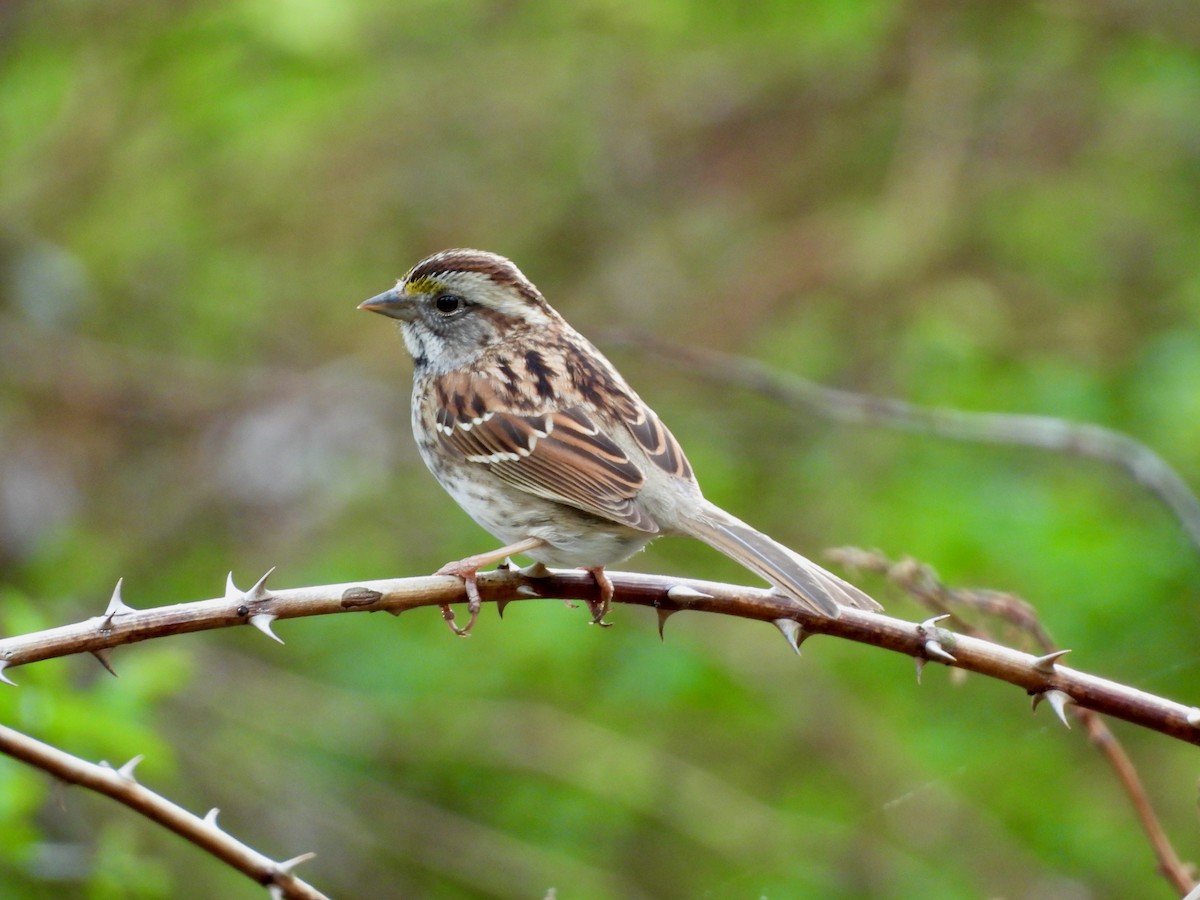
(542, 442)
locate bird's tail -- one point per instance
(790, 572)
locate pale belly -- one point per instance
(573, 537)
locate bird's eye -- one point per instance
(448, 304)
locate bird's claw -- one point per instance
(448, 618)
(599, 608)
(474, 601)
(598, 611)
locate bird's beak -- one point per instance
(392, 304)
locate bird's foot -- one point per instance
(468, 568)
(465, 570)
(599, 608)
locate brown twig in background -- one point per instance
(923, 583)
(84, 373)
(120, 785)
(1043, 432)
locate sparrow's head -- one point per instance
(454, 305)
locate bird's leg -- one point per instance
(600, 607)
(468, 568)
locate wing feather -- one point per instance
(658, 442)
(562, 455)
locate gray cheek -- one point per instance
(441, 345)
(466, 338)
(473, 333)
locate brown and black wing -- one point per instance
(562, 455)
(660, 445)
(594, 378)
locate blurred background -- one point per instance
(989, 206)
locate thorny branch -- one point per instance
(922, 582)
(1042, 676)
(120, 785)
(260, 607)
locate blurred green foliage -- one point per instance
(990, 206)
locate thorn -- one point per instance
(663, 615)
(117, 606)
(933, 646)
(210, 818)
(4, 665)
(920, 661)
(262, 621)
(1058, 700)
(535, 570)
(275, 892)
(126, 771)
(105, 657)
(681, 593)
(288, 864)
(526, 590)
(506, 566)
(1046, 663)
(792, 633)
(935, 650)
(259, 593)
(1193, 716)
(500, 605)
